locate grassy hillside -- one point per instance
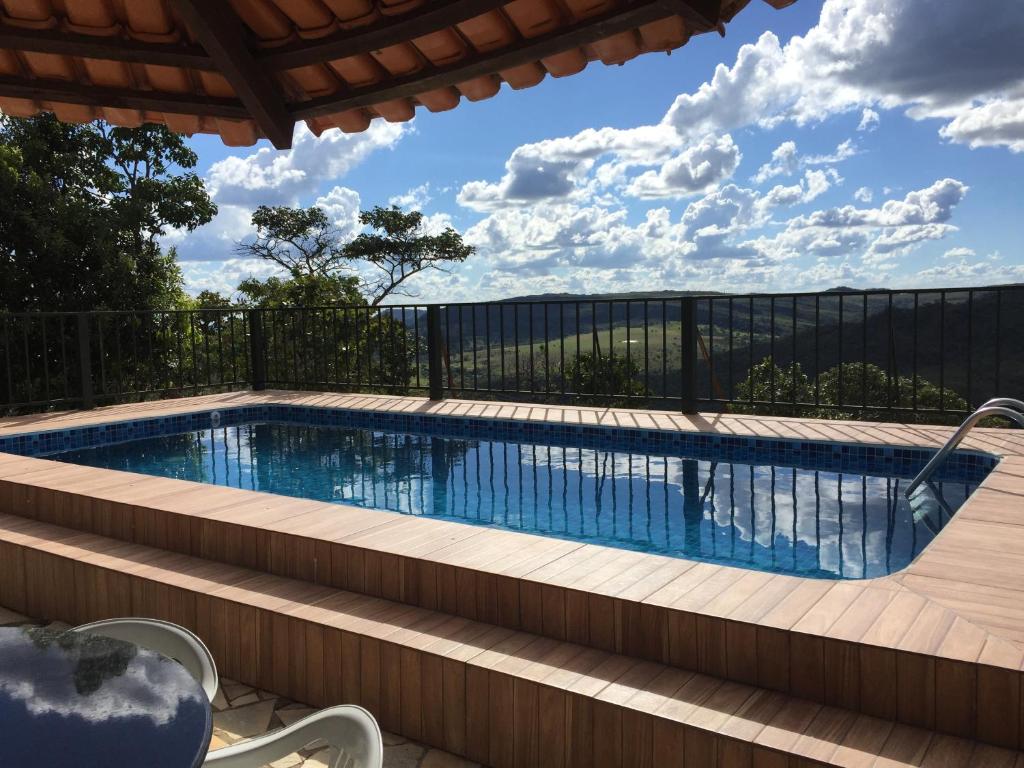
(952, 342)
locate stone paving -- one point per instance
(240, 712)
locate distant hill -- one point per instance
(677, 294)
(953, 341)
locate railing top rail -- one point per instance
(598, 299)
(653, 298)
(107, 312)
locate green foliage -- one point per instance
(607, 380)
(768, 383)
(848, 384)
(209, 300)
(83, 208)
(376, 348)
(872, 386)
(300, 240)
(400, 248)
(302, 290)
(321, 267)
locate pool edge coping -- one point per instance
(363, 402)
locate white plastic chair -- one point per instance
(350, 730)
(166, 638)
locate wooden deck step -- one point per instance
(490, 693)
(888, 649)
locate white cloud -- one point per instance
(990, 269)
(697, 169)
(844, 151)
(785, 162)
(224, 275)
(141, 690)
(714, 241)
(990, 124)
(751, 92)
(281, 177)
(537, 240)
(959, 253)
(558, 169)
(814, 184)
(863, 195)
(933, 205)
(866, 54)
(216, 240)
(415, 198)
(728, 209)
(869, 120)
(342, 205)
(877, 234)
(900, 239)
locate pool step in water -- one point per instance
(493, 694)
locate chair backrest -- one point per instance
(166, 638)
(350, 730)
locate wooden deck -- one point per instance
(937, 647)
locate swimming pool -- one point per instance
(824, 510)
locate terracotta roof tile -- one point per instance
(49, 60)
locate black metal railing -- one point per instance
(80, 359)
(930, 355)
(347, 347)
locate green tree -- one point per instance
(313, 335)
(872, 386)
(322, 266)
(299, 291)
(768, 383)
(399, 247)
(84, 207)
(605, 379)
(849, 384)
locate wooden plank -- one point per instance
(299, 639)
(66, 92)
(584, 32)
(905, 746)
(65, 43)
(220, 32)
(822, 737)
(392, 31)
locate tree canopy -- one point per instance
(399, 248)
(850, 384)
(83, 208)
(323, 267)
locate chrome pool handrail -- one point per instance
(1007, 402)
(988, 409)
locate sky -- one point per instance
(864, 143)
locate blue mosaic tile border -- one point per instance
(962, 466)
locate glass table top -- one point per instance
(71, 698)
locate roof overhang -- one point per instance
(252, 68)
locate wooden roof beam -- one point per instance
(581, 33)
(64, 92)
(701, 15)
(109, 48)
(220, 32)
(431, 17)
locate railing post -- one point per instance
(257, 350)
(85, 360)
(688, 355)
(434, 344)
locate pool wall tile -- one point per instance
(962, 466)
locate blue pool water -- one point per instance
(831, 513)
